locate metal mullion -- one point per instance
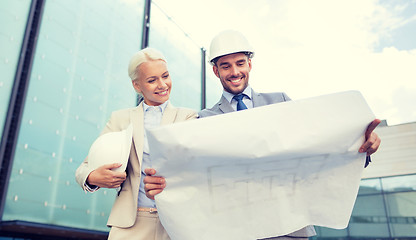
(18, 97)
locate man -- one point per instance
(230, 55)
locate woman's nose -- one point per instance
(161, 84)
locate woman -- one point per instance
(134, 216)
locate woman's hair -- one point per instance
(142, 56)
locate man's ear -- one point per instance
(215, 69)
(136, 86)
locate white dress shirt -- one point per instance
(247, 100)
(152, 118)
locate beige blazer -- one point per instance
(123, 212)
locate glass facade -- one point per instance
(184, 59)
(79, 76)
(213, 86)
(385, 209)
(184, 62)
(14, 13)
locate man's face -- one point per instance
(233, 71)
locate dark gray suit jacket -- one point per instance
(259, 99)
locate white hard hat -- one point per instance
(228, 42)
(112, 147)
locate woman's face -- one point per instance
(153, 82)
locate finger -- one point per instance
(112, 184)
(118, 180)
(150, 171)
(371, 127)
(371, 143)
(153, 186)
(152, 193)
(154, 180)
(119, 175)
(152, 189)
(364, 147)
(373, 148)
(367, 144)
(111, 165)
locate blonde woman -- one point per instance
(134, 216)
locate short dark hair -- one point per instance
(248, 54)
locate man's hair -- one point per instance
(142, 56)
(215, 60)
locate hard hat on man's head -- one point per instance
(229, 42)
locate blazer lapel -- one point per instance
(169, 114)
(224, 105)
(257, 99)
(136, 118)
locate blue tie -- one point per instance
(240, 103)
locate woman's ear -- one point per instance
(136, 85)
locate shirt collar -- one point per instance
(161, 107)
(229, 96)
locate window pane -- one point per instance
(183, 56)
(14, 13)
(324, 232)
(214, 87)
(400, 183)
(402, 213)
(369, 186)
(79, 77)
(369, 218)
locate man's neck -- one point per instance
(247, 91)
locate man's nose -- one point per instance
(234, 71)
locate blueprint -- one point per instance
(262, 172)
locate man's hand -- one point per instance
(105, 177)
(153, 185)
(372, 141)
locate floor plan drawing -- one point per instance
(253, 182)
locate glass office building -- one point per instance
(76, 75)
(386, 203)
(385, 209)
(64, 70)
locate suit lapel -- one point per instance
(257, 99)
(136, 118)
(224, 105)
(169, 114)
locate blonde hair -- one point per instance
(142, 56)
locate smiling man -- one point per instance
(230, 56)
(233, 71)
